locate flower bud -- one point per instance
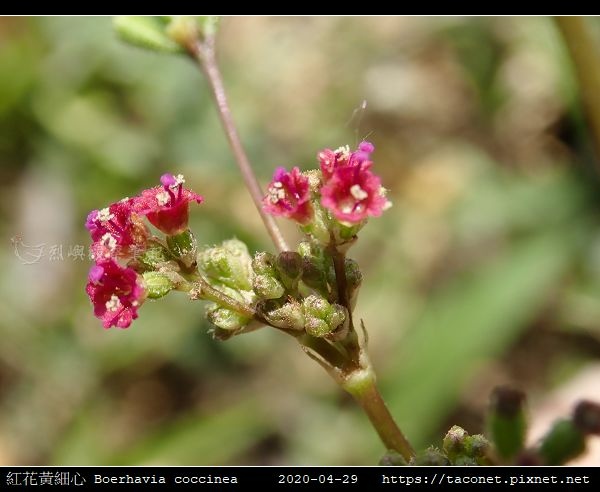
(265, 280)
(430, 457)
(315, 267)
(353, 281)
(563, 443)
(267, 287)
(289, 263)
(506, 421)
(454, 443)
(289, 316)
(392, 458)
(322, 318)
(153, 257)
(157, 284)
(183, 246)
(145, 32)
(226, 319)
(227, 264)
(264, 263)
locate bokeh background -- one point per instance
(486, 270)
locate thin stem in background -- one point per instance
(586, 61)
(204, 54)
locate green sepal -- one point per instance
(146, 32)
(157, 284)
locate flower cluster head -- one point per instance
(119, 233)
(347, 188)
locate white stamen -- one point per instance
(113, 304)
(162, 197)
(387, 205)
(357, 192)
(179, 180)
(343, 151)
(135, 303)
(123, 200)
(276, 192)
(104, 215)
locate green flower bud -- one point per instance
(454, 443)
(477, 446)
(264, 263)
(145, 32)
(430, 457)
(182, 29)
(317, 327)
(307, 249)
(183, 246)
(563, 443)
(226, 319)
(157, 284)
(464, 460)
(289, 316)
(392, 458)
(152, 258)
(289, 264)
(353, 281)
(267, 287)
(506, 421)
(265, 280)
(227, 264)
(322, 318)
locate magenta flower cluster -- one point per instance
(118, 234)
(348, 188)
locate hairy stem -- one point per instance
(586, 61)
(361, 385)
(204, 54)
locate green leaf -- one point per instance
(145, 32)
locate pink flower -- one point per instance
(116, 230)
(167, 207)
(353, 193)
(116, 293)
(288, 195)
(330, 160)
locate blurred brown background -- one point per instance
(485, 271)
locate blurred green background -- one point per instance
(485, 271)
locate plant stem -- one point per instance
(203, 290)
(204, 54)
(586, 60)
(361, 385)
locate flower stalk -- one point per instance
(203, 52)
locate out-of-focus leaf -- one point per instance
(212, 439)
(474, 318)
(145, 32)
